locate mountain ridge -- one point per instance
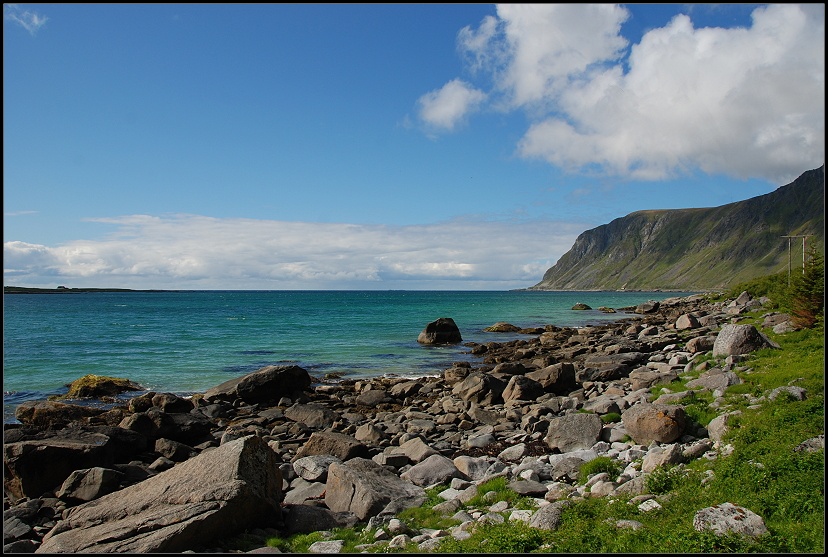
(694, 249)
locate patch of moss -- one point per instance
(96, 386)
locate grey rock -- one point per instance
(370, 434)
(267, 383)
(90, 483)
(740, 339)
(521, 387)
(313, 415)
(330, 546)
(557, 378)
(797, 393)
(175, 451)
(364, 488)
(344, 447)
(473, 467)
(415, 449)
(811, 445)
(373, 397)
(549, 517)
(300, 494)
(528, 488)
(217, 493)
(304, 519)
(715, 381)
(482, 388)
(574, 431)
(314, 468)
(35, 466)
(435, 469)
(654, 422)
(728, 517)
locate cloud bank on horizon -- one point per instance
(211, 253)
(745, 102)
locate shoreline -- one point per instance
(495, 416)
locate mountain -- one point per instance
(696, 249)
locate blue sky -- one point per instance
(383, 146)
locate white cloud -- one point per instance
(191, 251)
(30, 21)
(744, 102)
(444, 108)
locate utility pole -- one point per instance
(804, 237)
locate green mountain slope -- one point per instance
(695, 249)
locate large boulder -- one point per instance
(364, 488)
(735, 339)
(34, 466)
(729, 518)
(265, 384)
(217, 494)
(48, 414)
(481, 388)
(557, 378)
(442, 331)
(646, 422)
(521, 387)
(574, 431)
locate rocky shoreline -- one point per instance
(273, 454)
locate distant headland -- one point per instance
(65, 290)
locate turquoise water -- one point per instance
(187, 342)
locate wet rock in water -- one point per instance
(269, 383)
(580, 306)
(441, 331)
(502, 327)
(96, 386)
(214, 495)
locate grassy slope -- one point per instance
(694, 249)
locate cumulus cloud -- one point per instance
(191, 251)
(443, 108)
(744, 102)
(30, 21)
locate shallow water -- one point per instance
(187, 342)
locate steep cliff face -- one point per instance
(695, 249)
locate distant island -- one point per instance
(65, 290)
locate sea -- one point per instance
(186, 342)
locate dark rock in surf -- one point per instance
(442, 331)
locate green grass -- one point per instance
(763, 474)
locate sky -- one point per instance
(383, 147)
